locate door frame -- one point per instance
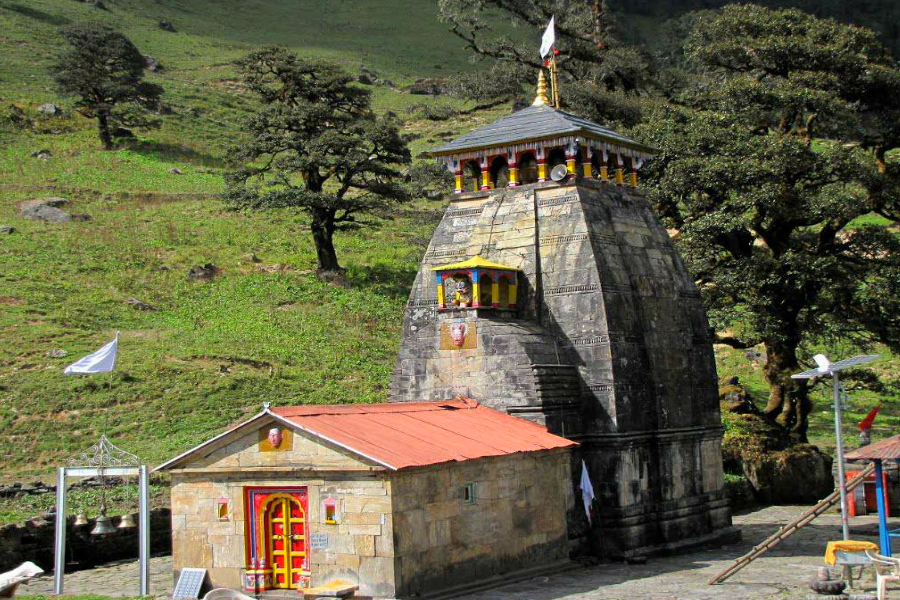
(256, 502)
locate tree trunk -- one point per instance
(103, 127)
(789, 404)
(323, 235)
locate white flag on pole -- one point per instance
(101, 361)
(587, 490)
(549, 38)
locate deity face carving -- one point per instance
(458, 333)
(275, 437)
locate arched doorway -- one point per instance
(284, 527)
(528, 172)
(499, 172)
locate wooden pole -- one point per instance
(790, 529)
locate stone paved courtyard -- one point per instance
(781, 573)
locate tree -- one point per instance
(765, 174)
(600, 75)
(314, 145)
(104, 71)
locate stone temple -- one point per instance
(551, 291)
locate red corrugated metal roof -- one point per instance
(411, 434)
(888, 449)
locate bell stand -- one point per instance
(107, 460)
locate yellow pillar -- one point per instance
(620, 176)
(542, 171)
(586, 169)
(440, 294)
(634, 179)
(570, 165)
(512, 294)
(476, 293)
(485, 180)
(495, 293)
(513, 176)
(459, 183)
(604, 173)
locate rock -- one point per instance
(43, 212)
(140, 305)
(800, 474)
(253, 258)
(166, 25)
(428, 87)
(176, 171)
(734, 398)
(122, 133)
(203, 273)
(54, 201)
(42, 154)
(824, 583)
(50, 110)
(7, 229)
(151, 64)
(365, 79)
(434, 195)
(57, 353)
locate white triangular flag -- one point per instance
(101, 361)
(587, 490)
(549, 38)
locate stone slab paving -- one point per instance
(780, 574)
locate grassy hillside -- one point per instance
(262, 331)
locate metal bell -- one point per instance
(80, 519)
(127, 522)
(103, 525)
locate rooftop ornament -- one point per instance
(104, 459)
(476, 283)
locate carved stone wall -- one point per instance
(611, 347)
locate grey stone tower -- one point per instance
(607, 342)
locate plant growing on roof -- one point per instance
(104, 71)
(314, 145)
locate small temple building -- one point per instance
(388, 500)
(551, 291)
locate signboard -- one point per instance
(318, 541)
(189, 583)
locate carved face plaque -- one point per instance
(458, 333)
(275, 437)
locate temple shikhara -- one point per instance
(551, 325)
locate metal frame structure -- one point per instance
(824, 369)
(102, 460)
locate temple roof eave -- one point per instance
(613, 141)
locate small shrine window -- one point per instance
(330, 511)
(476, 283)
(469, 493)
(528, 172)
(486, 290)
(222, 508)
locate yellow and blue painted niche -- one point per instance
(476, 283)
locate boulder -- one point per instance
(175, 171)
(57, 353)
(42, 154)
(7, 229)
(166, 25)
(428, 87)
(141, 305)
(44, 212)
(49, 110)
(151, 64)
(800, 474)
(203, 272)
(122, 133)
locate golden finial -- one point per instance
(541, 98)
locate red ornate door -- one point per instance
(285, 519)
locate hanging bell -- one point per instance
(127, 522)
(103, 525)
(80, 519)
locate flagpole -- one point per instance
(554, 80)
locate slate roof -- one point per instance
(408, 434)
(474, 263)
(888, 449)
(536, 123)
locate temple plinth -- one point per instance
(604, 338)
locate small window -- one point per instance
(469, 493)
(222, 509)
(331, 517)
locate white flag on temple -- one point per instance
(101, 361)
(587, 490)
(549, 38)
